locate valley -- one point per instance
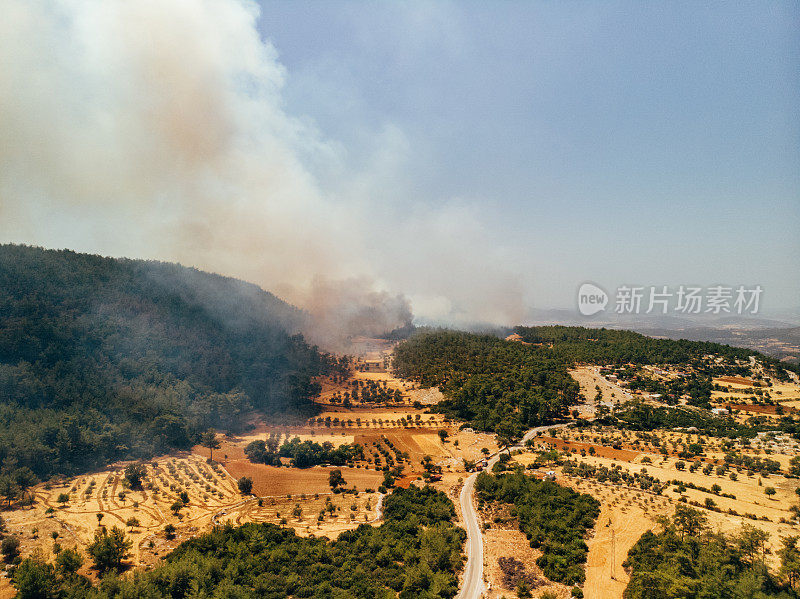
(545, 464)
(399, 300)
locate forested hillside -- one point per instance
(487, 381)
(612, 346)
(414, 554)
(102, 359)
(508, 386)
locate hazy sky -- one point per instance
(481, 158)
(653, 143)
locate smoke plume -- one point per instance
(342, 309)
(157, 129)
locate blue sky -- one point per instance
(652, 143)
(483, 159)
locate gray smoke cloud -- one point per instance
(343, 309)
(157, 129)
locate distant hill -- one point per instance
(103, 359)
(781, 343)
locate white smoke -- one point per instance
(157, 128)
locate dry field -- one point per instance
(272, 481)
(626, 513)
(624, 516)
(415, 442)
(412, 432)
(210, 491)
(772, 512)
(736, 380)
(589, 377)
(330, 387)
(750, 497)
(786, 393)
(778, 448)
(624, 454)
(101, 498)
(411, 391)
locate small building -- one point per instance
(374, 366)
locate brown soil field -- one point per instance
(625, 455)
(758, 409)
(736, 380)
(269, 481)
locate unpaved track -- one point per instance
(473, 586)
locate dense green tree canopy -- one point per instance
(487, 380)
(491, 382)
(102, 359)
(613, 346)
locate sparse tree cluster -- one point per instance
(303, 454)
